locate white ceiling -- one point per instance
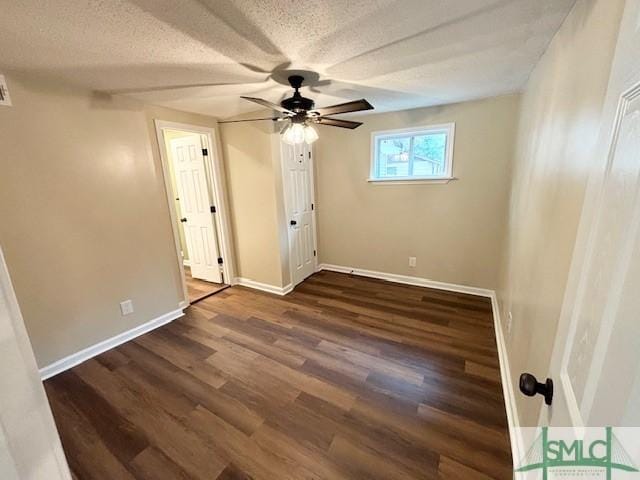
(396, 53)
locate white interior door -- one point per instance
(299, 200)
(596, 360)
(195, 205)
(29, 445)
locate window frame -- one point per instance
(445, 177)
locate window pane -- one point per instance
(393, 157)
(423, 153)
(429, 154)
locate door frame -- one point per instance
(285, 188)
(213, 164)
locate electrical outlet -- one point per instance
(5, 99)
(412, 261)
(509, 322)
(126, 307)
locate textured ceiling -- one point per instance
(397, 53)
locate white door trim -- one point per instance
(222, 219)
(285, 186)
(312, 166)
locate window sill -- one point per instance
(410, 181)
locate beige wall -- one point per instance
(252, 161)
(85, 220)
(559, 123)
(455, 230)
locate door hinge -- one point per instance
(309, 154)
(312, 206)
(314, 253)
(205, 152)
(219, 260)
(213, 209)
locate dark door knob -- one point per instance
(183, 220)
(530, 386)
(293, 222)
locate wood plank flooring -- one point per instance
(344, 378)
(199, 289)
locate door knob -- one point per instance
(530, 386)
(293, 222)
(183, 220)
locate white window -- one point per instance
(421, 154)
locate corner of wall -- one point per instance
(252, 159)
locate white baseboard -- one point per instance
(186, 263)
(76, 358)
(508, 392)
(265, 287)
(407, 280)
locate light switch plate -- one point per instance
(5, 98)
(412, 261)
(126, 307)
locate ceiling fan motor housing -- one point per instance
(297, 103)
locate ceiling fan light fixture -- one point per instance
(295, 134)
(310, 134)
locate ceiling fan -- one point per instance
(300, 114)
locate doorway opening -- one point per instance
(199, 218)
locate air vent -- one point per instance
(5, 99)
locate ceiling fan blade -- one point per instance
(355, 106)
(336, 122)
(270, 105)
(275, 119)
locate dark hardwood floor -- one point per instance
(199, 289)
(345, 378)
